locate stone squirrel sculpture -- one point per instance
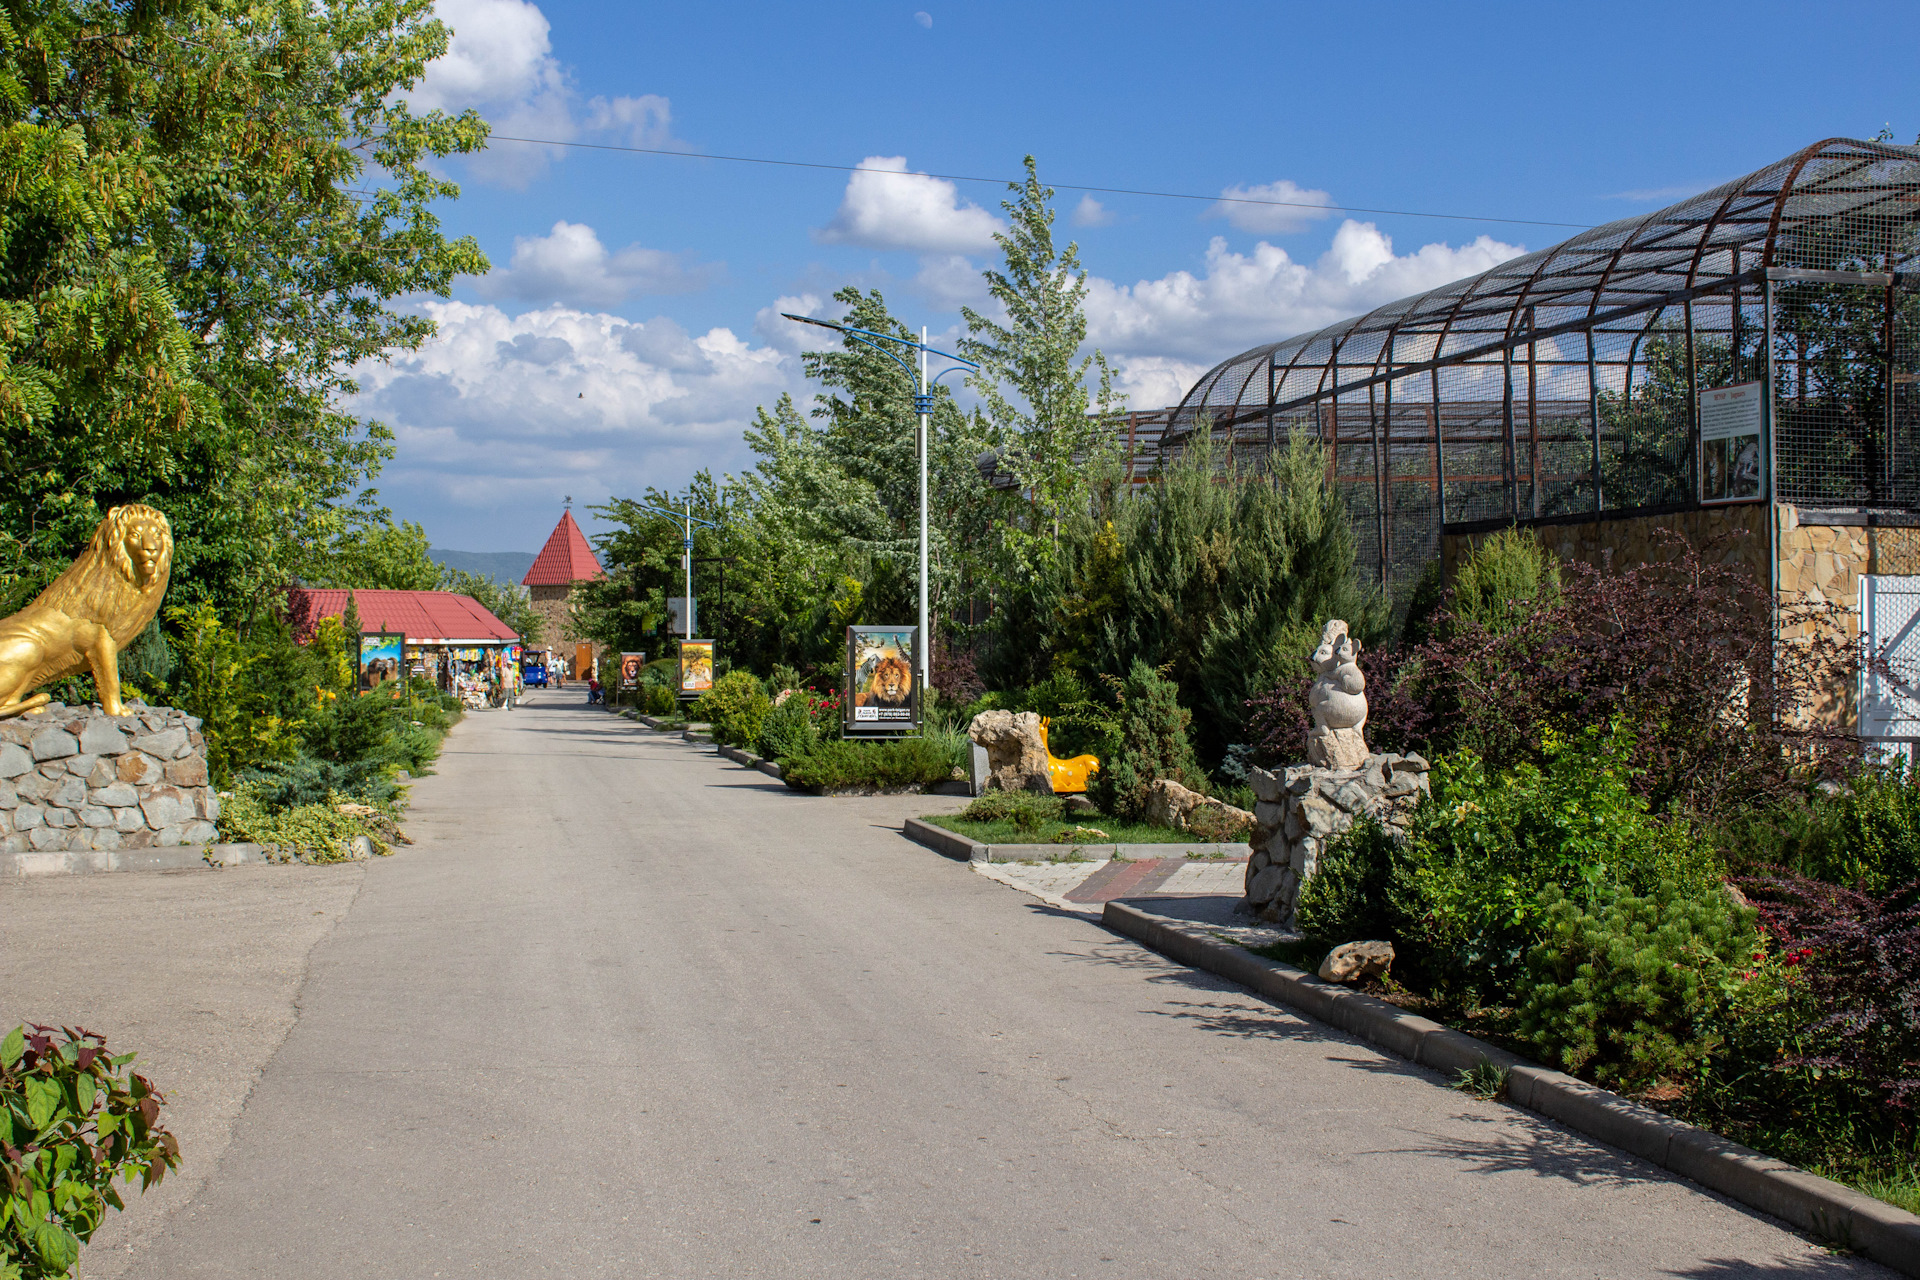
(1337, 701)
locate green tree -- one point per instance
(1048, 427)
(378, 554)
(207, 208)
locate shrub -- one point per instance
(1678, 655)
(1626, 990)
(1152, 744)
(836, 763)
(293, 783)
(1461, 896)
(72, 1118)
(1504, 579)
(321, 831)
(1024, 809)
(788, 729)
(245, 719)
(1859, 957)
(1868, 835)
(736, 708)
(658, 700)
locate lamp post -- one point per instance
(686, 548)
(923, 407)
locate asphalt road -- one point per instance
(627, 1010)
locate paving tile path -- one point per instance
(627, 1010)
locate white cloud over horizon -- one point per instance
(570, 266)
(1292, 207)
(1241, 300)
(887, 206)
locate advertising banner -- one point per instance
(882, 693)
(380, 657)
(1731, 458)
(696, 667)
(631, 664)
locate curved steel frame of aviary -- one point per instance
(1566, 381)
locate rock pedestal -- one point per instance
(1171, 805)
(1016, 756)
(1303, 807)
(76, 778)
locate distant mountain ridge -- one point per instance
(501, 566)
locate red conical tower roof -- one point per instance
(565, 559)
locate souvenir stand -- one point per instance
(450, 639)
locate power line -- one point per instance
(1061, 186)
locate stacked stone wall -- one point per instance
(1303, 807)
(1737, 534)
(74, 778)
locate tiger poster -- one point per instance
(882, 691)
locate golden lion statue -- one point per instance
(84, 618)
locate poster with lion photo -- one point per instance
(696, 667)
(881, 689)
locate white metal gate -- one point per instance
(1890, 630)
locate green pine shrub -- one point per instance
(73, 1118)
(1460, 896)
(1626, 991)
(837, 763)
(736, 708)
(1152, 744)
(1868, 835)
(788, 730)
(1505, 578)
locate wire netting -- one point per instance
(1567, 381)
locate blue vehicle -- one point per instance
(533, 675)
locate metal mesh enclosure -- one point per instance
(1566, 381)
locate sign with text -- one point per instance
(1731, 459)
(882, 692)
(696, 667)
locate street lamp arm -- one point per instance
(675, 515)
(884, 337)
(855, 334)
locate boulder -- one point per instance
(1354, 961)
(1075, 806)
(1016, 757)
(1171, 805)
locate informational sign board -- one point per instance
(696, 667)
(883, 695)
(1732, 460)
(381, 653)
(631, 664)
(677, 615)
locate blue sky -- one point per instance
(629, 326)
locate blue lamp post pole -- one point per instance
(923, 407)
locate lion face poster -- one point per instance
(881, 689)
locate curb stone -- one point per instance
(952, 844)
(179, 857)
(1811, 1203)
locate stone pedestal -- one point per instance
(1303, 807)
(75, 778)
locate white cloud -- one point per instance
(570, 266)
(1185, 322)
(1091, 213)
(501, 64)
(502, 408)
(949, 282)
(887, 207)
(1290, 207)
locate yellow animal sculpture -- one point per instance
(1069, 776)
(89, 613)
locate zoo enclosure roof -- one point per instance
(425, 617)
(565, 560)
(1782, 218)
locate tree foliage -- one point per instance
(209, 210)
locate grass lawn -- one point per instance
(1004, 832)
